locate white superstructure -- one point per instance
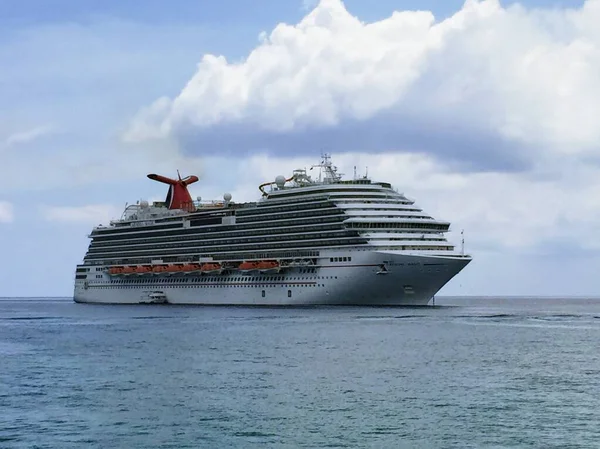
(322, 241)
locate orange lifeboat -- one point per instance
(159, 268)
(190, 267)
(267, 264)
(115, 270)
(141, 269)
(247, 266)
(208, 267)
(174, 268)
(128, 270)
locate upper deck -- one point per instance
(299, 187)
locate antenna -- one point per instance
(355, 172)
(462, 248)
(327, 171)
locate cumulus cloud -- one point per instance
(490, 87)
(92, 214)
(6, 212)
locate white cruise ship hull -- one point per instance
(365, 278)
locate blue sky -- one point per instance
(484, 115)
(257, 14)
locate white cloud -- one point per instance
(513, 93)
(523, 76)
(6, 212)
(92, 214)
(28, 135)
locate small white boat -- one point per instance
(154, 297)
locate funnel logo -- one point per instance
(178, 196)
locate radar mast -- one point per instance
(327, 171)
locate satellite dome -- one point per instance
(199, 198)
(280, 181)
(227, 197)
(143, 204)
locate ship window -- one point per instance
(263, 293)
(289, 293)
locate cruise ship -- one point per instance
(306, 241)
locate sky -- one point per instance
(484, 112)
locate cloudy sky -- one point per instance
(485, 112)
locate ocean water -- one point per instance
(472, 373)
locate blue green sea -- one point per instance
(468, 373)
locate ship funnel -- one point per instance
(178, 196)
